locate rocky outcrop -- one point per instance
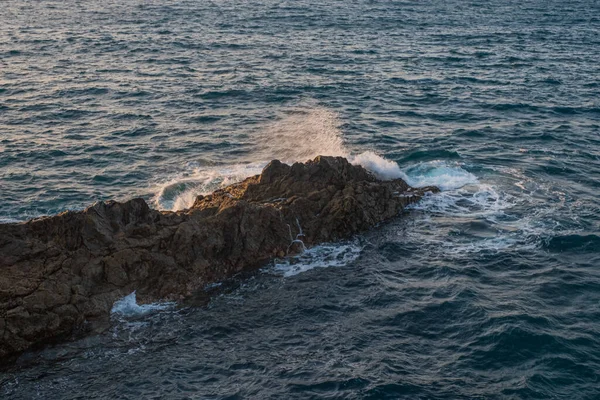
(60, 275)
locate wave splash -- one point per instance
(127, 307)
(382, 168)
(299, 135)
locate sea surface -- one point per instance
(489, 290)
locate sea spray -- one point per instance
(300, 135)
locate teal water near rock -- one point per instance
(490, 289)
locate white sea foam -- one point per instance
(128, 307)
(379, 166)
(445, 175)
(475, 200)
(322, 256)
(463, 195)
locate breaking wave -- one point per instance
(379, 166)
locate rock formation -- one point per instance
(60, 275)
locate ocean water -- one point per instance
(488, 290)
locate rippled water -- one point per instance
(490, 289)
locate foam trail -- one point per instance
(471, 201)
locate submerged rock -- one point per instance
(61, 275)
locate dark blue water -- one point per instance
(490, 289)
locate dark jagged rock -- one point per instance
(62, 274)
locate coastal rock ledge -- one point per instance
(60, 275)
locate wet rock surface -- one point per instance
(60, 275)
